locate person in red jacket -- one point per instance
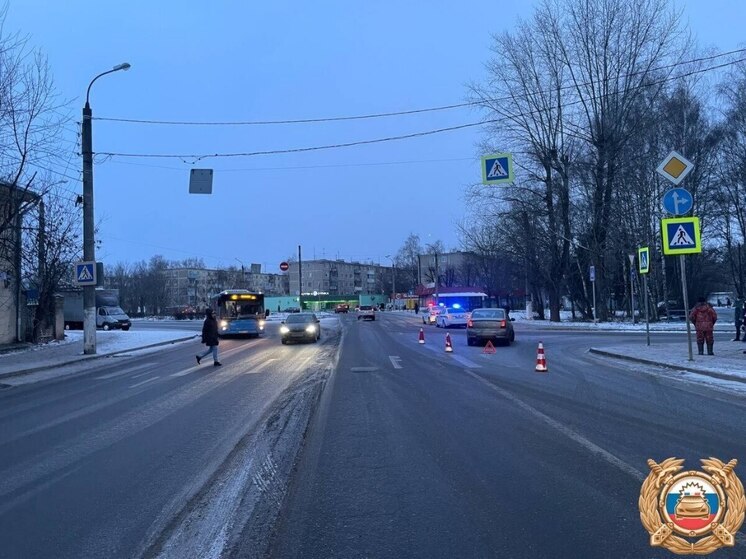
(704, 317)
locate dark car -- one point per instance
(342, 308)
(303, 327)
(489, 324)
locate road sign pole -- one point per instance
(632, 287)
(647, 310)
(595, 314)
(632, 292)
(682, 260)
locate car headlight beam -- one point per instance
(311, 329)
(284, 330)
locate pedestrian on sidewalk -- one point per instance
(704, 317)
(210, 338)
(738, 307)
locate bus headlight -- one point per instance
(284, 330)
(224, 324)
(261, 325)
(311, 329)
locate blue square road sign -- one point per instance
(681, 235)
(85, 273)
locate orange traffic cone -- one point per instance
(449, 346)
(541, 360)
(422, 336)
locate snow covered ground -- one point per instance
(106, 342)
(728, 361)
(722, 325)
(116, 340)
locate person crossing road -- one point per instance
(210, 338)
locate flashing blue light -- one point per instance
(441, 304)
(456, 306)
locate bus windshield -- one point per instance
(240, 304)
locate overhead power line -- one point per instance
(391, 113)
(506, 115)
(307, 167)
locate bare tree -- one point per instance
(31, 128)
(613, 51)
(525, 99)
(406, 262)
(732, 170)
(50, 249)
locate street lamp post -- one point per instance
(393, 280)
(89, 247)
(242, 283)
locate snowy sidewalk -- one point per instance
(58, 354)
(728, 363)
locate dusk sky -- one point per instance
(247, 61)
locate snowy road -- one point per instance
(407, 451)
(107, 460)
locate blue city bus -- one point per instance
(239, 313)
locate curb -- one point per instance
(81, 358)
(705, 372)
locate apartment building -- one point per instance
(338, 277)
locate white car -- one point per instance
(430, 314)
(449, 317)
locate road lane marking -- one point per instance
(141, 375)
(126, 371)
(145, 381)
(569, 433)
(207, 357)
(395, 361)
(468, 363)
(107, 433)
(363, 369)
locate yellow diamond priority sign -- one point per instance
(675, 167)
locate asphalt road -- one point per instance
(101, 463)
(410, 452)
(417, 453)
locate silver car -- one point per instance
(489, 324)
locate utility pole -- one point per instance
(393, 281)
(89, 243)
(437, 280)
(300, 280)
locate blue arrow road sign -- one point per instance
(677, 201)
(85, 273)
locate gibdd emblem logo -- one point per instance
(692, 512)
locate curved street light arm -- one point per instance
(124, 66)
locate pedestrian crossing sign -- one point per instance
(497, 168)
(643, 259)
(85, 273)
(681, 235)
